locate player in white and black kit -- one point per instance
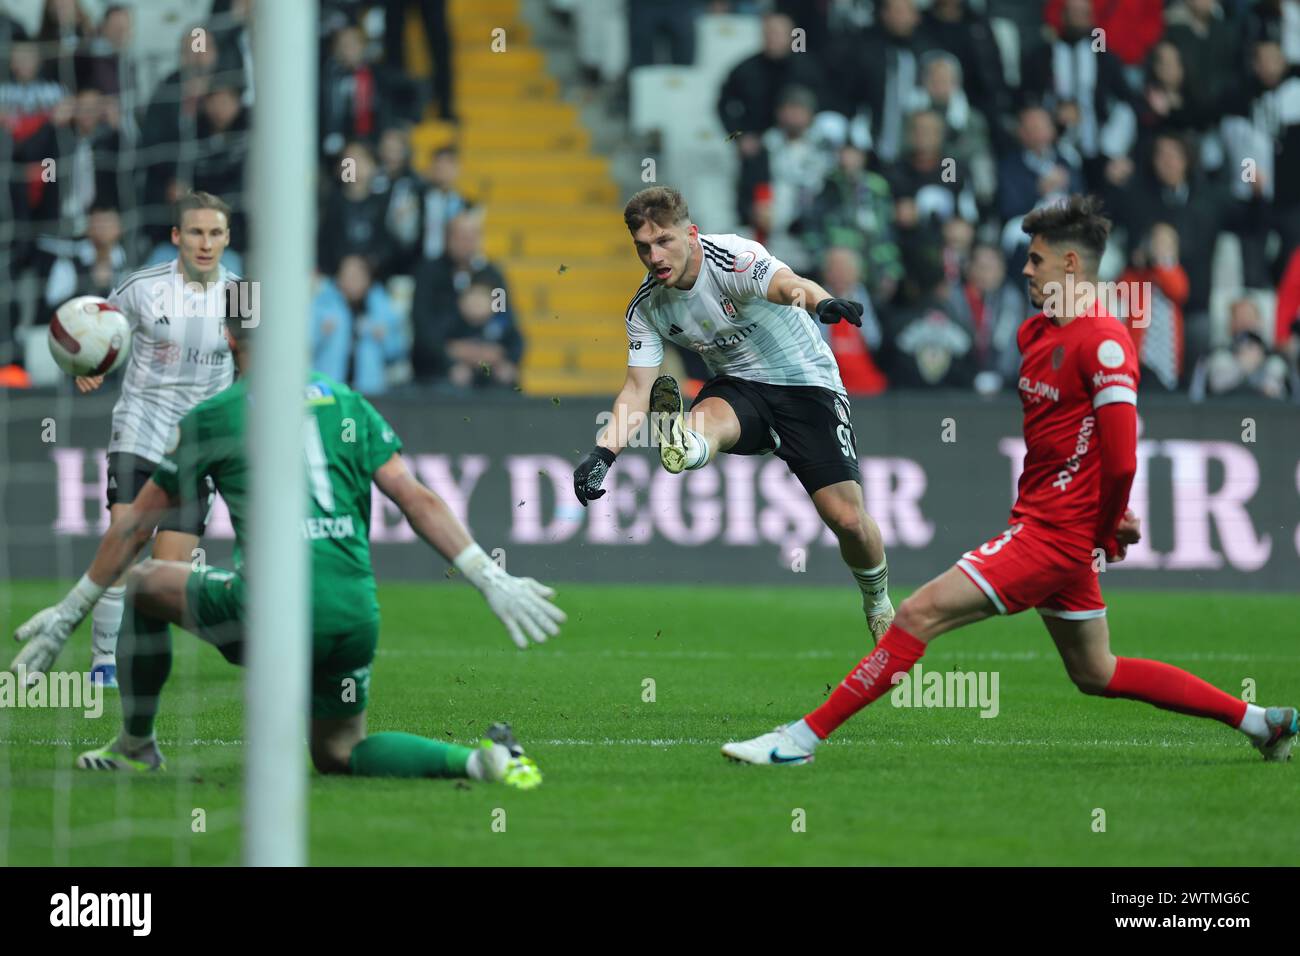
(179, 358)
(776, 387)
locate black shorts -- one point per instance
(128, 473)
(808, 427)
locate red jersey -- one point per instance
(1066, 374)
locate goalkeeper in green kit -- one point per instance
(348, 445)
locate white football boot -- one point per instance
(778, 747)
(667, 419)
(879, 619)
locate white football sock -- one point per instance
(803, 735)
(874, 585)
(697, 449)
(105, 622)
(1253, 724)
(474, 766)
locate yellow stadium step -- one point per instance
(525, 139)
(572, 383)
(610, 234)
(505, 87)
(595, 325)
(431, 135)
(544, 184)
(484, 110)
(603, 358)
(553, 211)
(541, 167)
(547, 310)
(549, 357)
(564, 300)
(563, 331)
(523, 120)
(580, 217)
(519, 58)
(477, 33)
(551, 242)
(554, 191)
(578, 355)
(459, 9)
(604, 274)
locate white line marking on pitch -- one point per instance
(718, 741)
(821, 654)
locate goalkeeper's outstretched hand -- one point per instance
(522, 604)
(45, 632)
(43, 637)
(831, 311)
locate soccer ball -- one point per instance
(88, 336)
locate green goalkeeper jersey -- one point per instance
(346, 441)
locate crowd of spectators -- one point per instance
(71, 101)
(891, 151)
(907, 148)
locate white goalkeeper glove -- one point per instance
(522, 604)
(45, 632)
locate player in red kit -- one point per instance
(1078, 386)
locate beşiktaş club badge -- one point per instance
(728, 306)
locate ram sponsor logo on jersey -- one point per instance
(1037, 391)
(200, 357)
(724, 341)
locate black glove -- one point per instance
(590, 475)
(831, 311)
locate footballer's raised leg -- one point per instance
(668, 423)
(689, 441)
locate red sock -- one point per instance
(872, 678)
(1173, 688)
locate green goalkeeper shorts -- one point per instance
(340, 661)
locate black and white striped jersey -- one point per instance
(179, 354)
(726, 317)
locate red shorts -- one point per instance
(1029, 566)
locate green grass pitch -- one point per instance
(642, 783)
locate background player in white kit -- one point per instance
(179, 358)
(776, 387)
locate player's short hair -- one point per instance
(662, 205)
(197, 199)
(1076, 221)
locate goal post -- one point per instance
(283, 179)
